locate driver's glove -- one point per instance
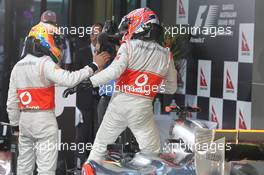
(86, 84)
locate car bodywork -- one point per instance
(175, 160)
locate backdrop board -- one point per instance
(65, 112)
(219, 73)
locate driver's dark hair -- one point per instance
(33, 47)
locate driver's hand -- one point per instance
(69, 91)
(101, 59)
(86, 84)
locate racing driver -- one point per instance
(142, 68)
(31, 103)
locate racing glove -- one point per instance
(86, 84)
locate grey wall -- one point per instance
(258, 69)
(81, 12)
(168, 12)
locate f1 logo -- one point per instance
(206, 16)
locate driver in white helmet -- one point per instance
(141, 67)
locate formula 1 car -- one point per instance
(176, 157)
(117, 162)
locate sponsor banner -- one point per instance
(243, 115)
(212, 19)
(204, 78)
(230, 80)
(216, 111)
(182, 11)
(246, 43)
(181, 67)
(191, 100)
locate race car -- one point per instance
(119, 162)
(179, 159)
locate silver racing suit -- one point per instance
(31, 105)
(141, 69)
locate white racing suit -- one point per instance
(31, 105)
(141, 69)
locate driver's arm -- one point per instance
(112, 72)
(54, 73)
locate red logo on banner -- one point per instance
(214, 116)
(229, 83)
(242, 124)
(203, 82)
(244, 47)
(181, 9)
